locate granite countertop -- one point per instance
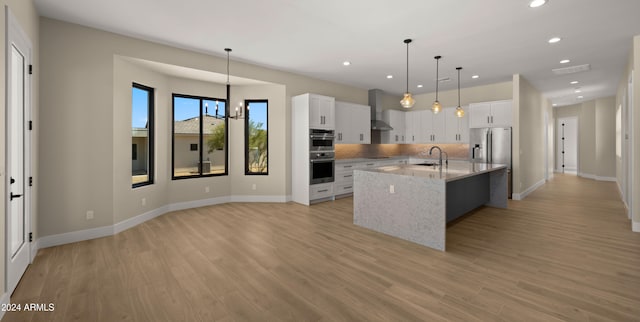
(455, 171)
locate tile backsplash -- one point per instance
(353, 151)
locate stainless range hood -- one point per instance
(375, 101)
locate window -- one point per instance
(142, 132)
(256, 138)
(199, 136)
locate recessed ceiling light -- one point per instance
(578, 91)
(537, 3)
(574, 82)
(419, 86)
(564, 61)
(389, 76)
(554, 104)
(346, 63)
(475, 76)
(580, 96)
(554, 40)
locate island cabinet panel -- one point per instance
(414, 202)
(467, 194)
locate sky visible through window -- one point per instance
(258, 113)
(140, 105)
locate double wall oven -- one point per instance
(321, 156)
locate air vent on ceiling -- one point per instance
(572, 69)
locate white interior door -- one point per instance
(18, 152)
(567, 145)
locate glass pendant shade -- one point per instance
(407, 101)
(436, 107)
(459, 112)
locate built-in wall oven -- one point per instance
(321, 140)
(321, 167)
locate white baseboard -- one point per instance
(278, 199)
(635, 226)
(524, 194)
(137, 220)
(611, 179)
(87, 234)
(587, 175)
(4, 300)
(35, 246)
(75, 236)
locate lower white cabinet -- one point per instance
(320, 191)
(343, 184)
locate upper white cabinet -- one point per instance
(433, 127)
(490, 114)
(321, 112)
(414, 126)
(397, 121)
(353, 123)
(457, 128)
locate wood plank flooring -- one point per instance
(565, 253)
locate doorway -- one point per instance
(567, 145)
(18, 159)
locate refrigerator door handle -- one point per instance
(489, 146)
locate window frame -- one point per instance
(247, 102)
(151, 106)
(200, 138)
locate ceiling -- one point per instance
(492, 38)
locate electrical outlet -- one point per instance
(253, 186)
(207, 189)
(144, 201)
(89, 214)
(392, 188)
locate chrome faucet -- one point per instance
(440, 156)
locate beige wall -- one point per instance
(25, 13)
(587, 141)
(636, 132)
(88, 104)
(606, 137)
(596, 136)
(528, 136)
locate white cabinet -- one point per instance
(353, 123)
(397, 120)
(343, 184)
(308, 111)
(414, 126)
(490, 114)
(321, 112)
(433, 130)
(457, 128)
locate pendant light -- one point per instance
(238, 111)
(407, 101)
(436, 107)
(459, 110)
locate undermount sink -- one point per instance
(428, 164)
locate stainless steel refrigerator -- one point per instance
(492, 145)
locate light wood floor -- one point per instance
(565, 253)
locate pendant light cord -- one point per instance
(459, 68)
(437, 73)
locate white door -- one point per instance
(18, 148)
(567, 145)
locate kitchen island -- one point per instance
(415, 202)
